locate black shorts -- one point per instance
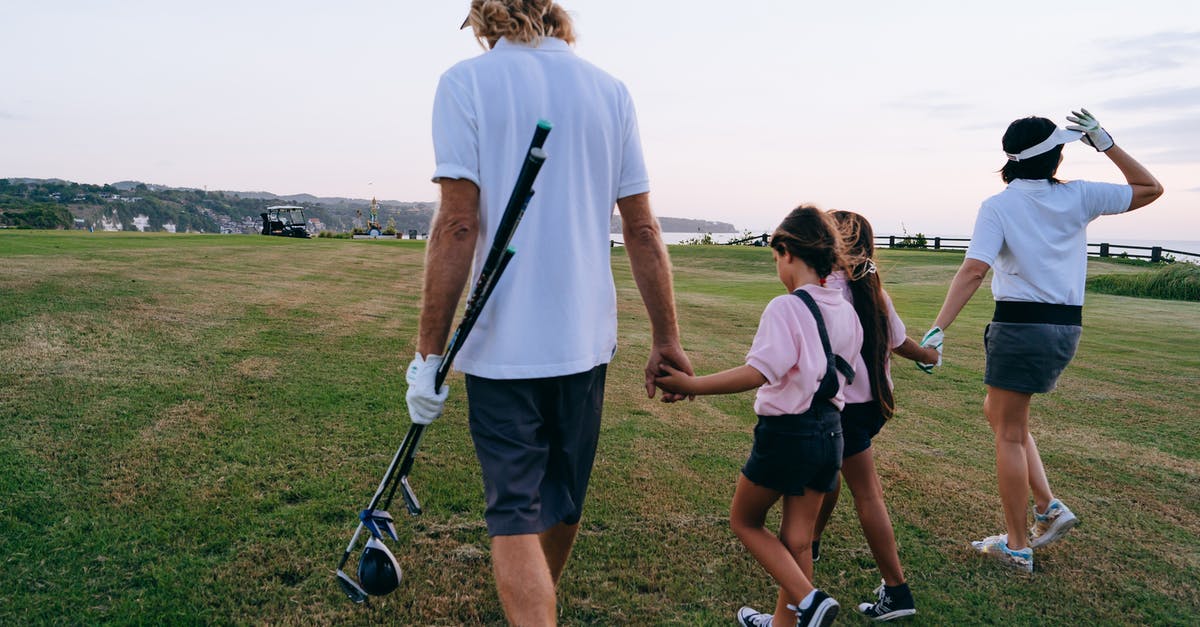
(796, 452)
(536, 442)
(860, 423)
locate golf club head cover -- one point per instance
(424, 403)
(1093, 134)
(934, 338)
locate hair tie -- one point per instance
(865, 268)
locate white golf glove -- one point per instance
(424, 403)
(1093, 135)
(933, 339)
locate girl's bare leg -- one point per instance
(747, 518)
(860, 474)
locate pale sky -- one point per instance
(892, 109)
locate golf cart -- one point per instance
(284, 221)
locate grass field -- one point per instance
(188, 425)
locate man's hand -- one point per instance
(934, 338)
(424, 403)
(666, 355)
(1093, 134)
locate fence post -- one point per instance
(891, 241)
(937, 243)
(1156, 254)
(1104, 249)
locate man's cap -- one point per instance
(1057, 138)
(466, 22)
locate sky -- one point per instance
(746, 109)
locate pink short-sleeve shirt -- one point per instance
(860, 390)
(787, 349)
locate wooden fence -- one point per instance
(920, 242)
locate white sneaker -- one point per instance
(997, 547)
(750, 617)
(1052, 525)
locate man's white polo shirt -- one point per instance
(1034, 235)
(554, 311)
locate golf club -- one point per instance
(378, 571)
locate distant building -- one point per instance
(80, 224)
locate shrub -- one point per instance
(913, 241)
(1178, 281)
(705, 240)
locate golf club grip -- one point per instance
(515, 209)
(540, 133)
(474, 308)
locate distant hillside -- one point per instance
(682, 225)
(134, 205)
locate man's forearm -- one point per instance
(447, 263)
(651, 266)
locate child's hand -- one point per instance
(675, 381)
(931, 345)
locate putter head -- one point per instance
(378, 571)
(378, 522)
(410, 499)
(351, 588)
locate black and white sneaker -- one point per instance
(893, 603)
(820, 613)
(750, 617)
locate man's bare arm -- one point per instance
(651, 268)
(447, 262)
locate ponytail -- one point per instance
(869, 303)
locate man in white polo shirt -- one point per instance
(535, 363)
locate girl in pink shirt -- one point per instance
(869, 403)
(798, 362)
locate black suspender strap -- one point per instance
(832, 360)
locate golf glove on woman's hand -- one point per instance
(424, 403)
(933, 339)
(1093, 135)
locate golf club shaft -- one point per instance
(534, 156)
(498, 259)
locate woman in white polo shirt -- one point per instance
(1034, 234)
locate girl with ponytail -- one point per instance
(870, 403)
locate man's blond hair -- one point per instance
(519, 21)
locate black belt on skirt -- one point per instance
(1038, 313)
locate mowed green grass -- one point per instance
(188, 425)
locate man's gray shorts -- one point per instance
(1027, 357)
(536, 442)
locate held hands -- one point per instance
(932, 342)
(675, 382)
(662, 357)
(1094, 135)
(424, 403)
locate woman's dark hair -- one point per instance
(809, 234)
(1026, 133)
(869, 303)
